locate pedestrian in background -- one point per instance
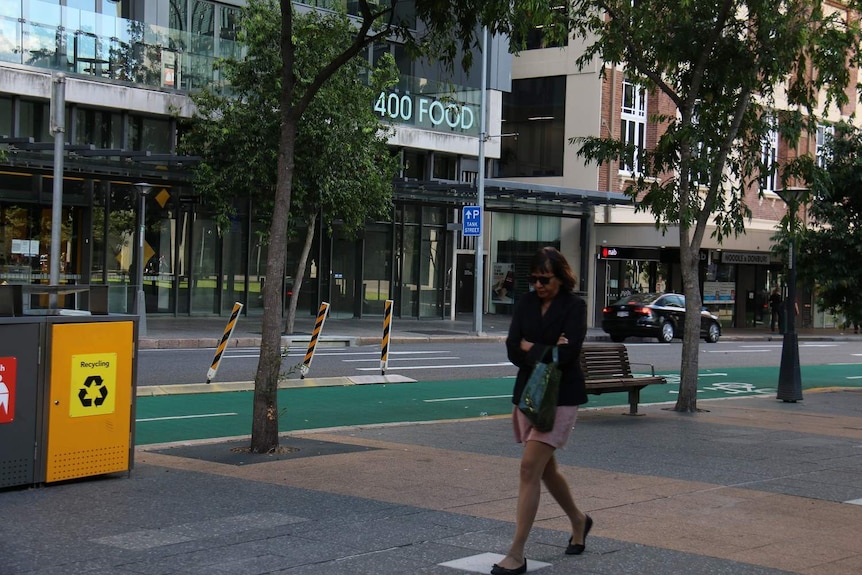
(549, 315)
(775, 307)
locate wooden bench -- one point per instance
(607, 369)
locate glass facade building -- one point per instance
(129, 69)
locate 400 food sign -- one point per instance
(424, 111)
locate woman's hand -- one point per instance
(526, 345)
(562, 340)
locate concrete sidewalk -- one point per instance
(749, 487)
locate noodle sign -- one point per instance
(7, 389)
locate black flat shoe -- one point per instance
(579, 548)
(497, 570)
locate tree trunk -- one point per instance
(300, 275)
(264, 427)
(690, 259)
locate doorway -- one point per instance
(466, 283)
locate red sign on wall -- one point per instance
(7, 389)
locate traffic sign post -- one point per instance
(472, 221)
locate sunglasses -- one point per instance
(541, 279)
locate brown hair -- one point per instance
(549, 259)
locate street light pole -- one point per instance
(479, 271)
(143, 190)
(789, 374)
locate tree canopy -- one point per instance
(735, 70)
(830, 253)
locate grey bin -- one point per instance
(42, 438)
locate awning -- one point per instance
(508, 196)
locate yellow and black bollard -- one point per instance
(384, 343)
(228, 331)
(318, 327)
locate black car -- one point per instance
(660, 315)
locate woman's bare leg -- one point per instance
(558, 487)
(533, 462)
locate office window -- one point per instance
(769, 175)
(150, 134)
(6, 117)
(535, 111)
(102, 128)
(824, 134)
(633, 125)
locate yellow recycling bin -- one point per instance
(90, 393)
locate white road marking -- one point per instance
(186, 416)
(394, 358)
(760, 350)
(854, 377)
(467, 398)
(501, 364)
(854, 502)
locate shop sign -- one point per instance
(745, 258)
(424, 111)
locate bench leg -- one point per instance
(634, 399)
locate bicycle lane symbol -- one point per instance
(731, 388)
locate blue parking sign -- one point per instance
(472, 220)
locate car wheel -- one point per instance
(667, 330)
(713, 332)
(617, 338)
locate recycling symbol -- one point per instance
(93, 382)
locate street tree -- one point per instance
(830, 247)
(734, 70)
(443, 31)
(344, 170)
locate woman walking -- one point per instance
(549, 315)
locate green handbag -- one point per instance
(539, 400)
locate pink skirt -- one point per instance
(564, 421)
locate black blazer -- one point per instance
(567, 314)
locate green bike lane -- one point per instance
(186, 417)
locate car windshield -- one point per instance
(638, 298)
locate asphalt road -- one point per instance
(449, 361)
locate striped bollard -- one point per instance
(318, 327)
(384, 343)
(228, 331)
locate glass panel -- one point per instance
(378, 263)
(5, 117)
(431, 261)
(515, 239)
(410, 272)
(257, 268)
(10, 34)
(75, 38)
(120, 247)
(35, 121)
(98, 273)
(234, 265)
(99, 127)
(535, 110)
(205, 258)
(343, 289)
(182, 267)
(159, 250)
(149, 134)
